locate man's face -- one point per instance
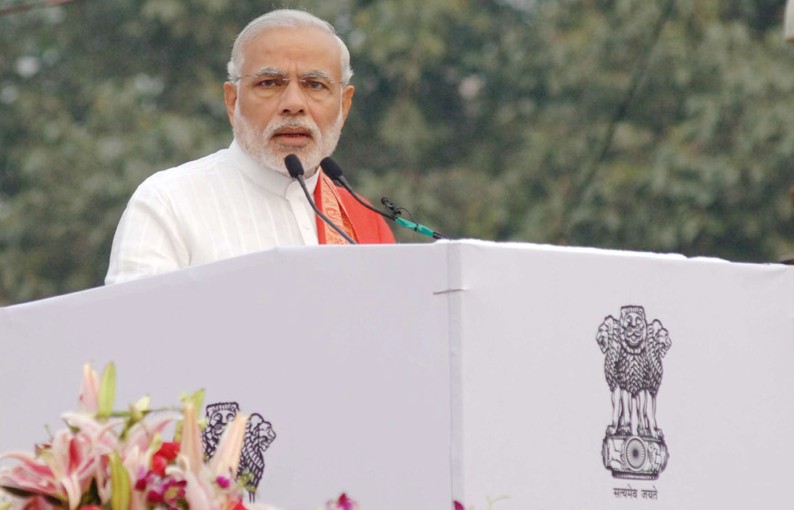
(271, 119)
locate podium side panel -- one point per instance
(536, 401)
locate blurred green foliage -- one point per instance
(551, 121)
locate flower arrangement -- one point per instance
(120, 460)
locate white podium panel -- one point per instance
(409, 375)
(536, 403)
(340, 348)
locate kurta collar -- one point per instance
(275, 182)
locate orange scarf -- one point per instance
(328, 201)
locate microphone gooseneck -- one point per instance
(334, 171)
(295, 169)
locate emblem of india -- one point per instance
(634, 446)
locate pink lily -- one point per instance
(134, 450)
(62, 471)
(210, 487)
(100, 433)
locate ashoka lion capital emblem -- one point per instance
(633, 348)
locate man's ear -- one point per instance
(347, 100)
(230, 98)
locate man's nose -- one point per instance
(293, 101)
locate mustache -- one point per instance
(304, 124)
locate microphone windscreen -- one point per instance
(331, 169)
(294, 166)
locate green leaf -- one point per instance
(120, 484)
(107, 391)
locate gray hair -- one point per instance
(281, 18)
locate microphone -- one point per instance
(334, 171)
(295, 169)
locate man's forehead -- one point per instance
(309, 46)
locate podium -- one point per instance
(519, 375)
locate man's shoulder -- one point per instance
(205, 168)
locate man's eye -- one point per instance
(270, 83)
(314, 84)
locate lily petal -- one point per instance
(191, 449)
(227, 456)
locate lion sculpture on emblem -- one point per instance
(259, 435)
(634, 445)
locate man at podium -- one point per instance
(288, 92)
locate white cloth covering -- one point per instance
(213, 208)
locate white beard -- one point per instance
(256, 142)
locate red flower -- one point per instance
(169, 450)
(166, 454)
(459, 505)
(158, 465)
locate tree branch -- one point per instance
(15, 9)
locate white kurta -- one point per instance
(216, 207)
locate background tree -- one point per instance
(641, 125)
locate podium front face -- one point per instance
(344, 351)
(507, 374)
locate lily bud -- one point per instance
(89, 392)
